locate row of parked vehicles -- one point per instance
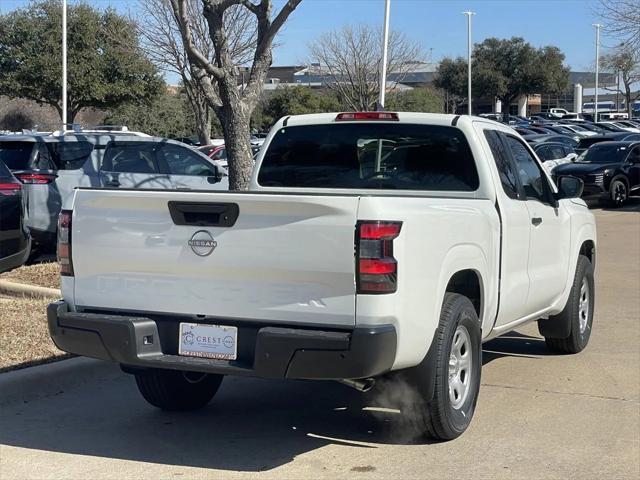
(604, 155)
(40, 171)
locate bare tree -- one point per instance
(625, 61)
(220, 78)
(162, 41)
(622, 19)
(351, 58)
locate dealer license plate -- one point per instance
(208, 341)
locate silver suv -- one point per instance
(50, 167)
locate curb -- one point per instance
(13, 288)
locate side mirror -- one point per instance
(569, 187)
(217, 175)
(572, 157)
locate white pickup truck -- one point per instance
(369, 243)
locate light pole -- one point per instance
(64, 65)
(469, 13)
(595, 103)
(383, 67)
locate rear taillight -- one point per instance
(9, 189)
(376, 268)
(33, 178)
(64, 243)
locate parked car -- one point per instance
(524, 131)
(552, 154)
(585, 143)
(587, 125)
(561, 130)
(610, 171)
(619, 126)
(15, 241)
(51, 167)
(369, 243)
(558, 112)
(630, 124)
(543, 116)
(554, 137)
(538, 129)
(609, 127)
(579, 130)
(217, 153)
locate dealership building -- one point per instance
(581, 87)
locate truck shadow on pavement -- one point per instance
(252, 425)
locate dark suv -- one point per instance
(610, 171)
(14, 235)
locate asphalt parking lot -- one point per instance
(540, 415)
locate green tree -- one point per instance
(507, 69)
(422, 99)
(106, 67)
(451, 78)
(167, 115)
(296, 100)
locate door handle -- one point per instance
(536, 221)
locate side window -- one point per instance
(543, 153)
(181, 161)
(130, 158)
(42, 160)
(557, 152)
(531, 176)
(220, 154)
(634, 156)
(501, 157)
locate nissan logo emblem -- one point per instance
(202, 243)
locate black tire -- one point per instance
(177, 391)
(618, 192)
(574, 318)
(444, 418)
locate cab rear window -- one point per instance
(370, 156)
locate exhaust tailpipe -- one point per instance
(362, 385)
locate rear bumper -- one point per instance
(17, 259)
(263, 351)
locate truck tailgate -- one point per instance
(286, 258)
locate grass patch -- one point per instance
(24, 336)
(41, 274)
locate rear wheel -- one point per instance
(177, 391)
(577, 316)
(457, 364)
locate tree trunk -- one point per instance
(628, 99)
(235, 118)
(239, 157)
(203, 124)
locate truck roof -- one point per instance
(443, 119)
